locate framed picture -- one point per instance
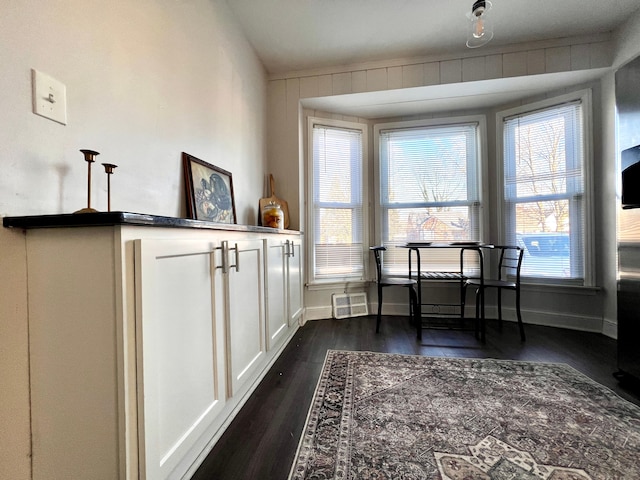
(209, 191)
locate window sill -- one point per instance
(532, 286)
(338, 284)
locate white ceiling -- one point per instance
(293, 35)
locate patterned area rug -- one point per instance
(384, 416)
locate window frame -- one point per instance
(585, 98)
(310, 224)
(481, 167)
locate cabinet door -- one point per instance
(180, 350)
(295, 280)
(277, 312)
(245, 312)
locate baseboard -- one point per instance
(318, 313)
(533, 317)
(550, 319)
(610, 328)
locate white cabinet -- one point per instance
(284, 287)
(200, 327)
(277, 320)
(180, 350)
(146, 342)
(244, 302)
(295, 279)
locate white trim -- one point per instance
(555, 288)
(318, 313)
(610, 328)
(345, 285)
(579, 322)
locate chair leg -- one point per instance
(477, 319)
(500, 308)
(483, 329)
(417, 315)
(412, 306)
(463, 298)
(520, 324)
(379, 319)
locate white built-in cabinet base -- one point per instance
(145, 342)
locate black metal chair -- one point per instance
(385, 281)
(508, 278)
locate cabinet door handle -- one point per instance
(287, 252)
(223, 255)
(237, 264)
(293, 249)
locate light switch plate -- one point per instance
(49, 97)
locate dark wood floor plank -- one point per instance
(262, 440)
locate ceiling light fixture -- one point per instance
(481, 27)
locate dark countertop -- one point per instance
(103, 219)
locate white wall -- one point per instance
(607, 209)
(146, 80)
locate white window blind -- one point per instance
(429, 190)
(544, 185)
(337, 203)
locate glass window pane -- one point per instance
(335, 225)
(546, 255)
(539, 217)
(427, 170)
(433, 224)
(540, 158)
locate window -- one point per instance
(429, 188)
(337, 197)
(544, 177)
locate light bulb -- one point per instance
(480, 31)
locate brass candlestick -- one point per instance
(108, 169)
(89, 157)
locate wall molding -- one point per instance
(569, 321)
(610, 328)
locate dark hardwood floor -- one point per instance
(262, 440)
